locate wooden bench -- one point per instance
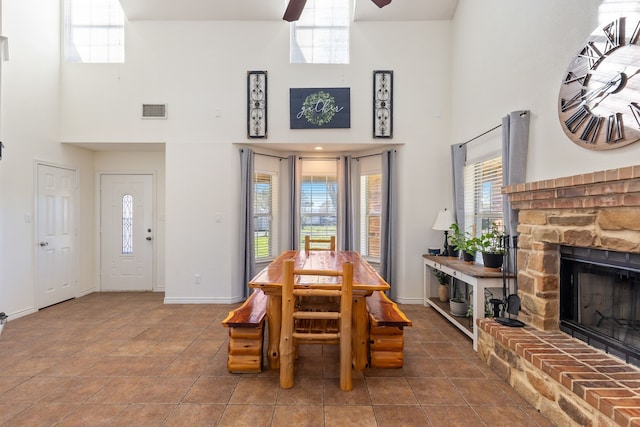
(246, 332)
(386, 339)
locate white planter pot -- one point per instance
(458, 308)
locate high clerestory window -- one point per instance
(321, 35)
(94, 31)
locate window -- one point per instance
(94, 31)
(483, 195)
(318, 200)
(370, 209)
(127, 224)
(321, 36)
(263, 185)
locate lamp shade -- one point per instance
(444, 220)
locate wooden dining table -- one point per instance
(365, 281)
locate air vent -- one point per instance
(154, 111)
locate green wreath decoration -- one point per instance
(319, 108)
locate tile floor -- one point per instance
(127, 359)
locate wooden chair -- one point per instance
(315, 327)
(325, 244)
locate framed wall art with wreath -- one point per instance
(319, 108)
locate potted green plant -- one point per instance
(456, 240)
(492, 246)
(470, 248)
(443, 290)
(464, 243)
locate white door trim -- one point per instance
(35, 229)
(98, 210)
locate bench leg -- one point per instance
(245, 349)
(386, 347)
(360, 337)
(274, 319)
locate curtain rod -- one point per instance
(261, 154)
(478, 136)
(271, 155)
(524, 113)
(319, 158)
(371, 155)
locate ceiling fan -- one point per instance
(295, 7)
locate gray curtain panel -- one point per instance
(389, 219)
(295, 176)
(515, 142)
(458, 159)
(346, 211)
(246, 218)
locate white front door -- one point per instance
(57, 230)
(126, 231)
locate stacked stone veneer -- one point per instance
(596, 210)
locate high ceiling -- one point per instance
(272, 10)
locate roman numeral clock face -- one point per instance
(599, 101)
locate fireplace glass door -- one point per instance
(600, 300)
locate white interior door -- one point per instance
(57, 230)
(126, 232)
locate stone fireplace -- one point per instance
(568, 380)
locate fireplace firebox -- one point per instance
(600, 299)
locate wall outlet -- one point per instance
(197, 279)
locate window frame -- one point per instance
(272, 215)
(325, 169)
(316, 29)
(111, 30)
(477, 218)
(365, 215)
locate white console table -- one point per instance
(475, 275)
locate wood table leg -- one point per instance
(274, 319)
(360, 337)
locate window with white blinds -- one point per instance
(318, 199)
(263, 185)
(483, 195)
(318, 207)
(370, 211)
(94, 31)
(321, 35)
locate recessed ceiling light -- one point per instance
(318, 148)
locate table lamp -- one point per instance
(443, 223)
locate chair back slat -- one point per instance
(319, 244)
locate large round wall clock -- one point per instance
(599, 101)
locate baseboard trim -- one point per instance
(21, 313)
(202, 300)
(409, 301)
(85, 292)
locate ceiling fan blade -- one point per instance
(381, 3)
(294, 10)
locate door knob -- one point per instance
(149, 237)
(44, 243)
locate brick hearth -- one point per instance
(567, 380)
